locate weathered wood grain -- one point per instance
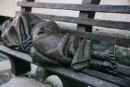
(91, 36)
(24, 8)
(15, 53)
(88, 21)
(77, 7)
(80, 77)
(107, 77)
(84, 14)
(87, 14)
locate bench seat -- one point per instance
(87, 76)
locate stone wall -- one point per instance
(7, 8)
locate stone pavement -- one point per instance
(24, 82)
(27, 80)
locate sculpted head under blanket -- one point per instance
(46, 44)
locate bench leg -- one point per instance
(19, 66)
(42, 74)
(71, 83)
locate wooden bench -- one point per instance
(20, 62)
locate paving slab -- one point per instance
(27, 80)
(5, 65)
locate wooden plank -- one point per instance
(107, 77)
(83, 14)
(87, 14)
(80, 77)
(123, 69)
(19, 66)
(92, 15)
(91, 36)
(77, 7)
(88, 21)
(15, 53)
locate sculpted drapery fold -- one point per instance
(46, 44)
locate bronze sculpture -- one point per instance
(42, 39)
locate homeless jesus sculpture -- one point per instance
(45, 43)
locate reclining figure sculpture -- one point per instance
(45, 43)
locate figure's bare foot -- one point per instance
(106, 55)
(103, 61)
(104, 66)
(103, 55)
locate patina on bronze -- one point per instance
(42, 39)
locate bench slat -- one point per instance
(27, 8)
(123, 81)
(80, 77)
(84, 14)
(88, 21)
(91, 36)
(15, 53)
(78, 7)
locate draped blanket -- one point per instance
(45, 43)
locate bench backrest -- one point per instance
(86, 19)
